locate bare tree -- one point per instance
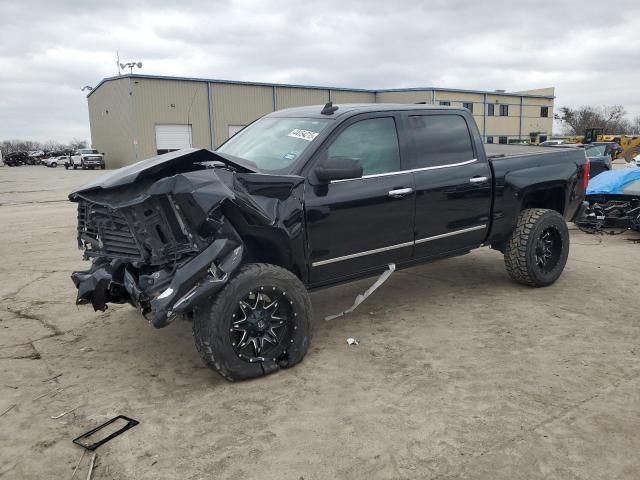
(635, 125)
(610, 118)
(75, 144)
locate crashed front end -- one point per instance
(612, 202)
(158, 237)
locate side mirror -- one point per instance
(338, 168)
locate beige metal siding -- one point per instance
(298, 97)
(344, 96)
(179, 102)
(413, 96)
(110, 118)
(238, 105)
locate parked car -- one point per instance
(307, 198)
(549, 143)
(15, 159)
(57, 160)
(87, 158)
(599, 160)
(610, 148)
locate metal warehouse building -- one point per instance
(134, 117)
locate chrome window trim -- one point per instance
(399, 245)
(400, 172)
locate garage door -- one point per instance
(172, 137)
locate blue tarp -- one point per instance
(613, 182)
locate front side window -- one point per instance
(440, 140)
(374, 142)
(273, 144)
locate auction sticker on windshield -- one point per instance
(303, 134)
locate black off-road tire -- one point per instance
(212, 321)
(520, 251)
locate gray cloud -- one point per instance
(50, 49)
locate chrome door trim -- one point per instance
(399, 245)
(400, 172)
(450, 234)
(361, 254)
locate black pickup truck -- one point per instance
(307, 198)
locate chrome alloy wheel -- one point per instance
(548, 249)
(262, 324)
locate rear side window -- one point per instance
(440, 140)
(373, 141)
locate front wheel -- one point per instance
(537, 250)
(259, 322)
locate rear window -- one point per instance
(440, 140)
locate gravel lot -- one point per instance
(459, 373)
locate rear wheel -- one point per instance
(54, 165)
(258, 323)
(537, 250)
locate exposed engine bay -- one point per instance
(166, 233)
(613, 202)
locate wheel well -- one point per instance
(552, 199)
(261, 250)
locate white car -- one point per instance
(87, 158)
(55, 161)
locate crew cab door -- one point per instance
(452, 181)
(360, 224)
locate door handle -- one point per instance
(479, 179)
(400, 192)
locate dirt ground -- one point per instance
(459, 373)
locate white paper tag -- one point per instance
(303, 134)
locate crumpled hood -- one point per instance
(154, 168)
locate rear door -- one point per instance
(453, 186)
(361, 224)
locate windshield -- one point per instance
(594, 150)
(273, 144)
(88, 150)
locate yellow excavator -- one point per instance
(629, 145)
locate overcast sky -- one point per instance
(588, 50)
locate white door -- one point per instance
(173, 137)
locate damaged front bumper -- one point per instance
(160, 297)
(166, 234)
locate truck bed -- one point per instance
(501, 151)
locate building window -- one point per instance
(446, 103)
(544, 112)
(504, 110)
(502, 140)
(489, 139)
(468, 106)
(233, 129)
(491, 110)
(162, 151)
